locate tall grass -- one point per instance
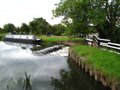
(104, 61)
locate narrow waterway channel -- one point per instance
(76, 79)
(20, 69)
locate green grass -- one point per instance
(104, 61)
(52, 38)
(58, 38)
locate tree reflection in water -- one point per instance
(20, 84)
(27, 82)
(76, 79)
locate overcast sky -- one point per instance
(23, 11)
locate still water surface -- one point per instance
(47, 72)
(15, 61)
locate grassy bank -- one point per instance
(59, 38)
(106, 62)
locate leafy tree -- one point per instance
(1, 30)
(79, 14)
(106, 17)
(25, 28)
(9, 28)
(58, 29)
(75, 14)
(18, 30)
(33, 26)
(39, 26)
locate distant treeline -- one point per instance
(37, 26)
(80, 17)
(40, 26)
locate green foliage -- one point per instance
(106, 62)
(39, 26)
(58, 29)
(18, 30)
(79, 14)
(117, 35)
(1, 31)
(2, 35)
(75, 15)
(9, 28)
(25, 29)
(108, 20)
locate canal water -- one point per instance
(21, 69)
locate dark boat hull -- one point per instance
(30, 41)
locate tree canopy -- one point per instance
(58, 29)
(37, 26)
(81, 14)
(9, 28)
(25, 28)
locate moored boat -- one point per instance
(22, 38)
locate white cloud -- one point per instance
(19, 11)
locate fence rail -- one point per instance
(96, 41)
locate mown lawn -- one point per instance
(104, 61)
(59, 38)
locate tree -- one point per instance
(25, 28)
(9, 28)
(33, 27)
(75, 14)
(1, 30)
(79, 14)
(18, 30)
(58, 29)
(39, 26)
(106, 17)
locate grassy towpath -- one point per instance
(106, 62)
(58, 38)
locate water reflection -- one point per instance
(76, 79)
(22, 45)
(27, 82)
(15, 61)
